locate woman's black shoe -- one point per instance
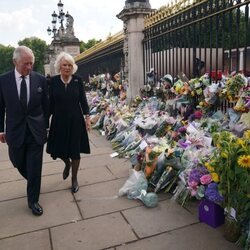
(66, 172)
(75, 186)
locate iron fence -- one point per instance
(208, 36)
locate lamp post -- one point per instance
(63, 38)
(60, 17)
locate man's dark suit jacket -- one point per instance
(13, 115)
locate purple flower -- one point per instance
(183, 144)
(212, 193)
(213, 185)
(182, 129)
(194, 176)
(196, 173)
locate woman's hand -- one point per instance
(2, 137)
(87, 122)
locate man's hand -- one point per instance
(2, 137)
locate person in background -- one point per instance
(68, 136)
(24, 110)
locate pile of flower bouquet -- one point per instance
(187, 150)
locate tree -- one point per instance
(90, 43)
(6, 53)
(39, 48)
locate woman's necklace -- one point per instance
(66, 82)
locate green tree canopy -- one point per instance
(90, 43)
(6, 53)
(39, 48)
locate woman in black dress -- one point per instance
(70, 121)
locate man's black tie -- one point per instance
(23, 93)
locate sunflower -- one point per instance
(244, 161)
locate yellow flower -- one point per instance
(215, 177)
(209, 167)
(224, 155)
(247, 135)
(240, 142)
(244, 161)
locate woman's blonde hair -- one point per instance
(68, 58)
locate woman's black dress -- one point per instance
(68, 136)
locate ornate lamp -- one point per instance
(60, 17)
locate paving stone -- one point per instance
(85, 177)
(39, 240)
(101, 160)
(166, 216)
(98, 141)
(96, 233)
(6, 164)
(12, 190)
(197, 237)
(9, 174)
(16, 218)
(4, 156)
(94, 175)
(103, 198)
(52, 183)
(120, 170)
(98, 151)
(94, 217)
(54, 167)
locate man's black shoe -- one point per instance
(36, 209)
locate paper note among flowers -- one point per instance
(143, 144)
(191, 129)
(113, 155)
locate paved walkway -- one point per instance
(94, 217)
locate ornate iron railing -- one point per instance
(198, 36)
(104, 57)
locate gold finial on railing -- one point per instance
(101, 45)
(171, 8)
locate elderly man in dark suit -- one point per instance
(24, 120)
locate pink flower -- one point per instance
(192, 184)
(206, 179)
(198, 114)
(193, 192)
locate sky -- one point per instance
(20, 19)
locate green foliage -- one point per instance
(39, 48)
(234, 173)
(90, 43)
(6, 63)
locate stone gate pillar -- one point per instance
(132, 16)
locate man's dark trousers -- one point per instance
(28, 160)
